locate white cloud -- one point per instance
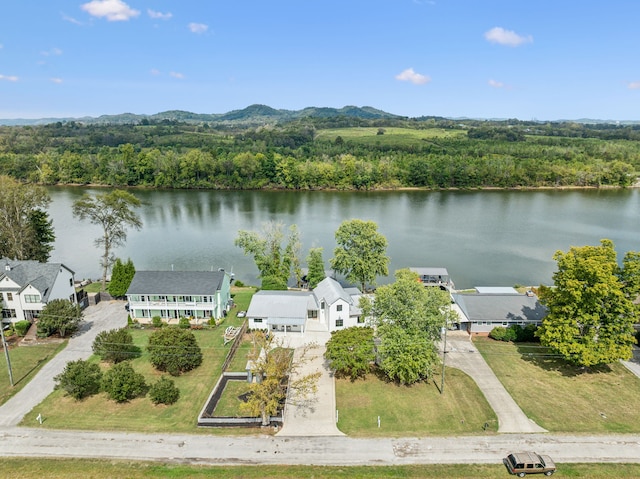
(506, 37)
(159, 15)
(8, 77)
(69, 19)
(413, 77)
(154, 71)
(496, 84)
(176, 75)
(113, 10)
(634, 85)
(198, 27)
(53, 51)
(56, 80)
(1, 46)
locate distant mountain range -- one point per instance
(256, 115)
(250, 114)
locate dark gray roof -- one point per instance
(41, 276)
(176, 282)
(500, 307)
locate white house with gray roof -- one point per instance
(489, 307)
(329, 307)
(197, 295)
(27, 286)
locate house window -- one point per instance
(9, 296)
(339, 307)
(31, 298)
(8, 313)
(257, 320)
(312, 313)
(339, 323)
(360, 319)
(323, 305)
(72, 299)
(70, 281)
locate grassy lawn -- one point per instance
(561, 397)
(418, 410)
(229, 404)
(392, 137)
(26, 361)
(28, 468)
(94, 287)
(99, 413)
(239, 362)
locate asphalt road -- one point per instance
(332, 450)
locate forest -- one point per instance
(332, 152)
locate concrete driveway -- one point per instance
(462, 354)
(315, 415)
(103, 316)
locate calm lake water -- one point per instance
(484, 238)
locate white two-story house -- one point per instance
(197, 295)
(329, 307)
(27, 286)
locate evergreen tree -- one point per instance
(121, 277)
(316, 267)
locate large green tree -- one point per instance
(275, 262)
(361, 252)
(408, 319)
(174, 350)
(26, 232)
(590, 318)
(59, 316)
(350, 352)
(113, 212)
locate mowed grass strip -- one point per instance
(30, 468)
(26, 361)
(417, 410)
(561, 397)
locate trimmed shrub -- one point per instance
(122, 383)
(239, 283)
(184, 323)
(174, 350)
(164, 391)
(115, 345)
(498, 333)
(80, 379)
(157, 322)
(21, 327)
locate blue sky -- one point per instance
(526, 59)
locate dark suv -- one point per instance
(523, 463)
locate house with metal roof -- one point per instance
(197, 295)
(430, 276)
(27, 286)
(489, 307)
(329, 307)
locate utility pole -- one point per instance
(444, 357)
(6, 353)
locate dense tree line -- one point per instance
(170, 154)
